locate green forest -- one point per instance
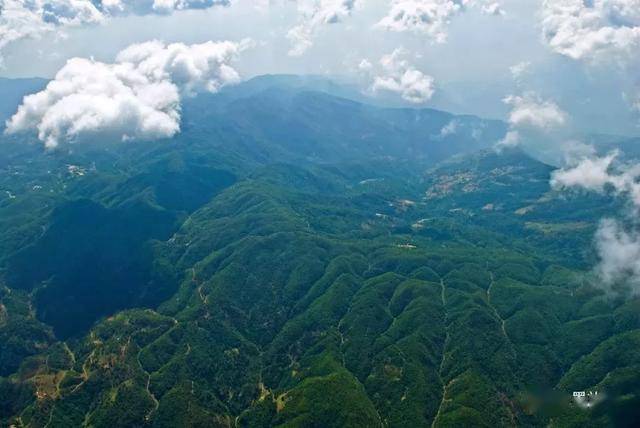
(310, 262)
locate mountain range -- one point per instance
(296, 257)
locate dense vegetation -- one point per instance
(294, 259)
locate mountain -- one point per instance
(266, 115)
(79, 199)
(298, 259)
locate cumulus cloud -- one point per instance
(397, 75)
(529, 116)
(314, 14)
(147, 7)
(599, 174)
(590, 173)
(592, 30)
(21, 19)
(601, 32)
(135, 98)
(431, 17)
(529, 110)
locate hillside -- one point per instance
(297, 259)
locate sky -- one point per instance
(464, 56)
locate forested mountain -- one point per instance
(297, 259)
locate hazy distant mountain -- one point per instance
(276, 112)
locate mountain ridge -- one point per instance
(264, 269)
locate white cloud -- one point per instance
(529, 110)
(592, 30)
(597, 32)
(399, 76)
(599, 173)
(193, 68)
(147, 7)
(618, 246)
(511, 139)
(619, 253)
(315, 14)
(66, 12)
(22, 19)
(135, 98)
(431, 17)
(590, 173)
(529, 115)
